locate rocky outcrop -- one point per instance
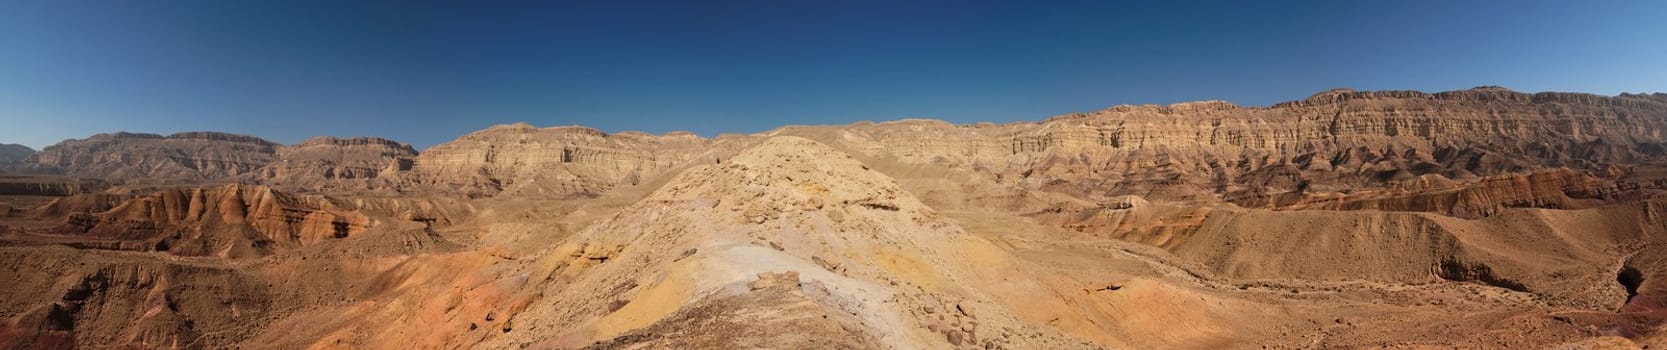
(12, 153)
(151, 158)
(328, 162)
(554, 161)
(1333, 140)
(317, 164)
(1338, 140)
(48, 185)
(1549, 189)
(126, 303)
(227, 221)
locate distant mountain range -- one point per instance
(12, 153)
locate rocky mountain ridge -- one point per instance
(12, 153)
(1335, 140)
(567, 160)
(189, 157)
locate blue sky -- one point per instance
(425, 72)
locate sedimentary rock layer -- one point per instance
(1337, 140)
(558, 160)
(227, 221)
(128, 156)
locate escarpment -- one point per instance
(560, 161)
(320, 163)
(1199, 151)
(1550, 189)
(151, 157)
(1334, 140)
(330, 163)
(1337, 140)
(48, 186)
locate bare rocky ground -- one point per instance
(1482, 218)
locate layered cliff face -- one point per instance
(554, 161)
(48, 185)
(1334, 140)
(236, 220)
(317, 164)
(154, 158)
(1550, 189)
(12, 153)
(227, 221)
(328, 162)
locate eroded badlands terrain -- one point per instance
(1482, 218)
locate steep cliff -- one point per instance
(1550, 189)
(1334, 140)
(328, 162)
(554, 161)
(151, 158)
(48, 185)
(1337, 140)
(227, 221)
(317, 164)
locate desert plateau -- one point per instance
(1478, 218)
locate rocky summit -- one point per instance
(1480, 218)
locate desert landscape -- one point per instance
(1478, 218)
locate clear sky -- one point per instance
(426, 72)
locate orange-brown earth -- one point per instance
(1482, 218)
